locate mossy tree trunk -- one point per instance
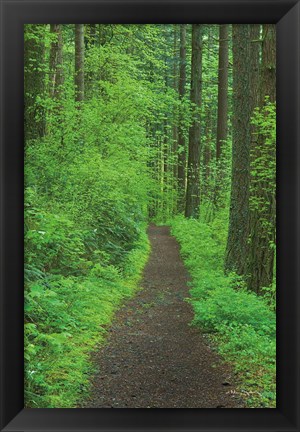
(237, 247)
(222, 126)
(56, 76)
(208, 131)
(192, 207)
(175, 112)
(181, 137)
(263, 198)
(79, 62)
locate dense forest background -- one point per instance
(126, 124)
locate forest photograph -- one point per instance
(150, 215)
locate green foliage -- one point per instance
(86, 196)
(96, 171)
(240, 322)
(263, 172)
(83, 256)
(269, 293)
(226, 306)
(66, 318)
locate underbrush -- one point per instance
(242, 325)
(85, 248)
(66, 318)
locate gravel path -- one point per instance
(153, 358)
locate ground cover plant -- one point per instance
(242, 325)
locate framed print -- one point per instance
(150, 215)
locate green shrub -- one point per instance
(85, 244)
(66, 318)
(241, 324)
(224, 305)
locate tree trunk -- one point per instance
(205, 180)
(79, 62)
(222, 128)
(236, 250)
(192, 207)
(175, 112)
(56, 77)
(222, 89)
(90, 36)
(263, 199)
(34, 81)
(255, 52)
(93, 34)
(181, 137)
(254, 64)
(207, 157)
(255, 55)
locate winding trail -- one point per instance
(153, 358)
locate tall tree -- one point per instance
(90, 37)
(236, 250)
(34, 81)
(56, 77)
(254, 65)
(192, 207)
(263, 199)
(181, 135)
(208, 124)
(175, 110)
(222, 127)
(255, 68)
(93, 34)
(79, 62)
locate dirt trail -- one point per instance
(153, 358)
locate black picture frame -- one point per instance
(286, 15)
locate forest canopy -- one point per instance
(131, 124)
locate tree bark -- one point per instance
(181, 137)
(222, 89)
(79, 62)
(175, 112)
(236, 250)
(263, 211)
(255, 66)
(208, 130)
(255, 53)
(56, 78)
(192, 208)
(222, 115)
